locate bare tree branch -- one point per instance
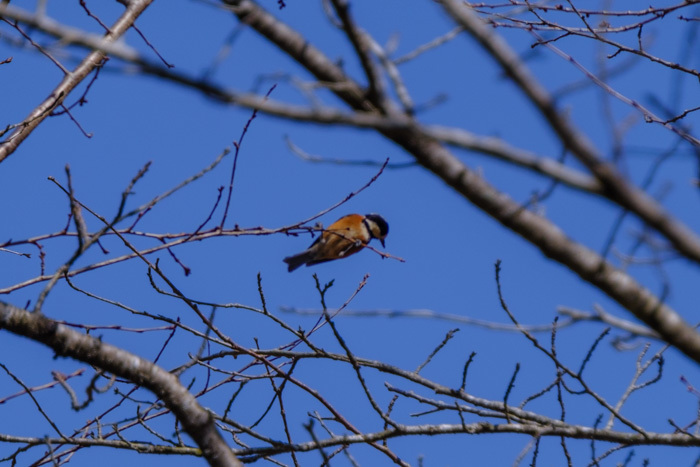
(197, 421)
(70, 81)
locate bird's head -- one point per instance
(378, 227)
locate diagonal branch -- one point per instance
(362, 46)
(197, 421)
(70, 80)
(615, 186)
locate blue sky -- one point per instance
(450, 247)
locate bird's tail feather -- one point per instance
(297, 261)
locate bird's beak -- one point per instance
(382, 241)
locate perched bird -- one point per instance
(342, 238)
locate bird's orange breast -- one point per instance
(344, 237)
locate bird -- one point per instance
(342, 238)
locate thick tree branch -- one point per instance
(552, 241)
(362, 45)
(299, 48)
(197, 421)
(617, 188)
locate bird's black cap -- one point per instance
(381, 223)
